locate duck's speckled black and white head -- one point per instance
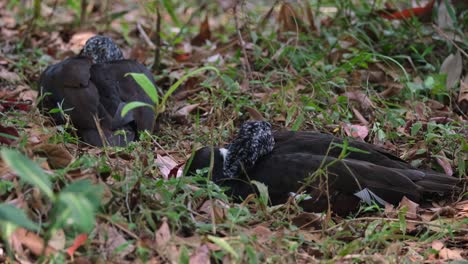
(101, 49)
(253, 141)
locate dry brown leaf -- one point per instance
(203, 35)
(444, 163)
(165, 165)
(254, 113)
(305, 220)
(356, 131)
(11, 77)
(58, 156)
(437, 245)
(186, 93)
(451, 254)
(361, 98)
(113, 240)
(78, 40)
(412, 208)
(389, 69)
(314, 27)
(393, 88)
(215, 209)
(163, 245)
(186, 110)
(201, 255)
(22, 237)
(359, 116)
(57, 241)
(452, 66)
(372, 76)
(463, 95)
(262, 233)
(27, 95)
(289, 19)
(163, 235)
(444, 20)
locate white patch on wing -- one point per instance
(368, 196)
(224, 152)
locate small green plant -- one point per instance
(73, 207)
(149, 88)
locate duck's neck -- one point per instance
(254, 141)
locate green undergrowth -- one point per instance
(299, 81)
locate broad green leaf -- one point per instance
(224, 245)
(29, 171)
(147, 85)
(93, 192)
(80, 210)
(132, 105)
(263, 190)
(16, 216)
(185, 77)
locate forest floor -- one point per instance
(346, 68)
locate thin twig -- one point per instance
(443, 34)
(157, 52)
(83, 12)
(120, 226)
(242, 43)
(145, 36)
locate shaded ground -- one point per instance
(343, 68)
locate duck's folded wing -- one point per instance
(285, 173)
(324, 144)
(118, 89)
(68, 84)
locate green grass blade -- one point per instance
(28, 170)
(224, 245)
(170, 9)
(132, 105)
(263, 190)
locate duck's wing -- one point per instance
(329, 179)
(116, 90)
(322, 144)
(69, 84)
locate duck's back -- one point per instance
(324, 144)
(116, 88)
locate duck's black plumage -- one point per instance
(94, 84)
(308, 161)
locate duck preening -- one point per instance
(94, 86)
(289, 162)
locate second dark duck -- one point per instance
(94, 84)
(288, 161)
